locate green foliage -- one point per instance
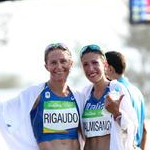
(139, 37)
(9, 81)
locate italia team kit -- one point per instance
(55, 117)
(96, 119)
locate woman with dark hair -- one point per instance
(108, 120)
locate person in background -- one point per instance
(46, 116)
(115, 70)
(108, 119)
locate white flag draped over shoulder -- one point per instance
(3, 134)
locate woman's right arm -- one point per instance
(15, 110)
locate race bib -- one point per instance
(58, 116)
(95, 123)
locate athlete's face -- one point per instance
(58, 64)
(93, 66)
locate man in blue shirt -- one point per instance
(115, 70)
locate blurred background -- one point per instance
(28, 26)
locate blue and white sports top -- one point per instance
(55, 117)
(137, 100)
(96, 119)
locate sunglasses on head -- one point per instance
(91, 48)
(57, 46)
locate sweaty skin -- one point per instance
(100, 143)
(58, 64)
(67, 144)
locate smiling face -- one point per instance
(58, 63)
(93, 65)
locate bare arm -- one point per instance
(144, 137)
